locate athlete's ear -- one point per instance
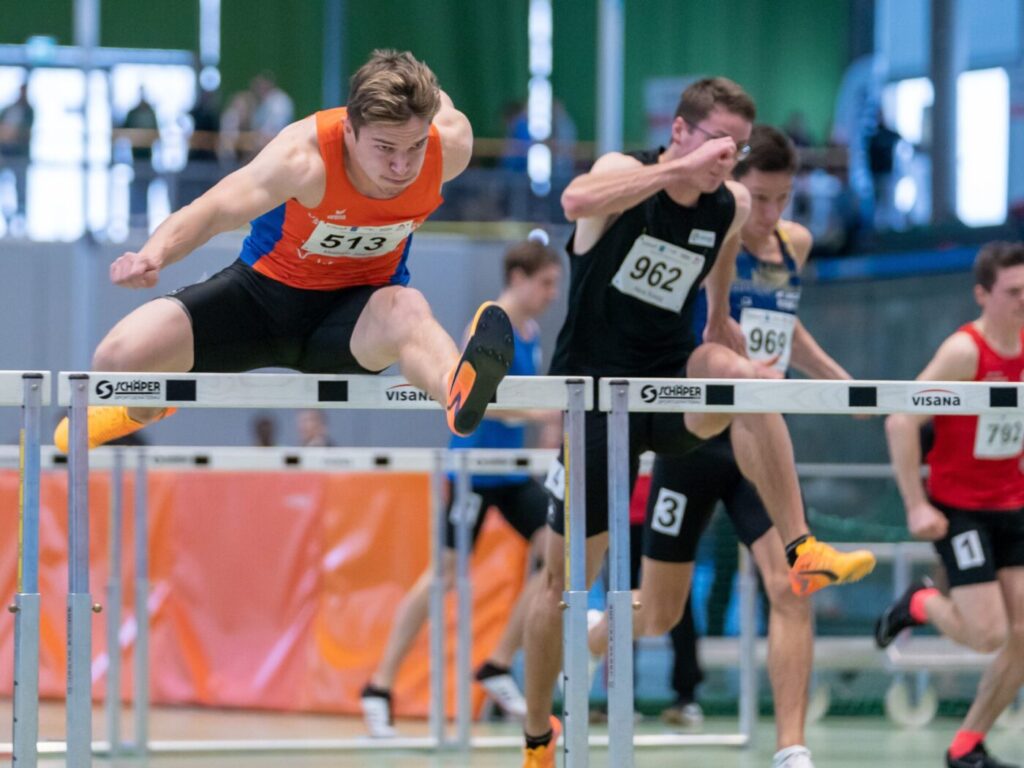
(980, 295)
(679, 130)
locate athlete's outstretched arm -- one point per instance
(283, 168)
(955, 360)
(617, 182)
(456, 138)
(720, 327)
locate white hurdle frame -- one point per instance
(30, 390)
(657, 395)
(76, 390)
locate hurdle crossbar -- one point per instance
(288, 390)
(815, 396)
(248, 390)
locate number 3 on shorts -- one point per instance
(669, 509)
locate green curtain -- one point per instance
(789, 54)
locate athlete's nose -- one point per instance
(400, 165)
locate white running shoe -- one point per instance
(688, 715)
(797, 756)
(504, 691)
(377, 715)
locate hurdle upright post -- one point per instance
(465, 506)
(79, 631)
(620, 596)
(437, 719)
(26, 602)
(576, 706)
(114, 597)
(748, 648)
(140, 658)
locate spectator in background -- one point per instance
(235, 124)
(264, 431)
(274, 108)
(524, 194)
(797, 130)
(16, 121)
(142, 117)
(141, 121)
(312, 426)
(563, 139)
(205, 116)
(253, 117)
(517, 137)
(202, 171)
(882, 145)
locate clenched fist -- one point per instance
(134, 270)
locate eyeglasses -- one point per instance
(742, 153)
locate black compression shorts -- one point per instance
(684, 492)
(659, 432)
(522, 504)
(978, 544)
(243, 320)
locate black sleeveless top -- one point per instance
(610, 329)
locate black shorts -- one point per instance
(663, 433)
(684, 492)
(243, 320)
(979, 544)
(522, 504)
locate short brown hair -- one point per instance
(392, 87)
(995, 256)
(529, 256)
(704, 95)
(771, 151)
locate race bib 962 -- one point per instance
(658, 273)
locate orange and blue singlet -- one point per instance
(348, 239)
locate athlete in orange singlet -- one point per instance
(320, 285)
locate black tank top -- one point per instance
(623, 319)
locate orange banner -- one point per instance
(270, 590)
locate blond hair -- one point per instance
(392, 87)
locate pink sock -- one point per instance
(964, 743)
(917, 601)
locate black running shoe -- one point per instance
(897, 616)
(484, 363)
(977, 758)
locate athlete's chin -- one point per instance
(394, 186)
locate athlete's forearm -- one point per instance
(902, 432)
(810, 359)
(606, 193)
(719, 280)
(183, 232)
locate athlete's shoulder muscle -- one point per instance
(456, 135)
(955, 360)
